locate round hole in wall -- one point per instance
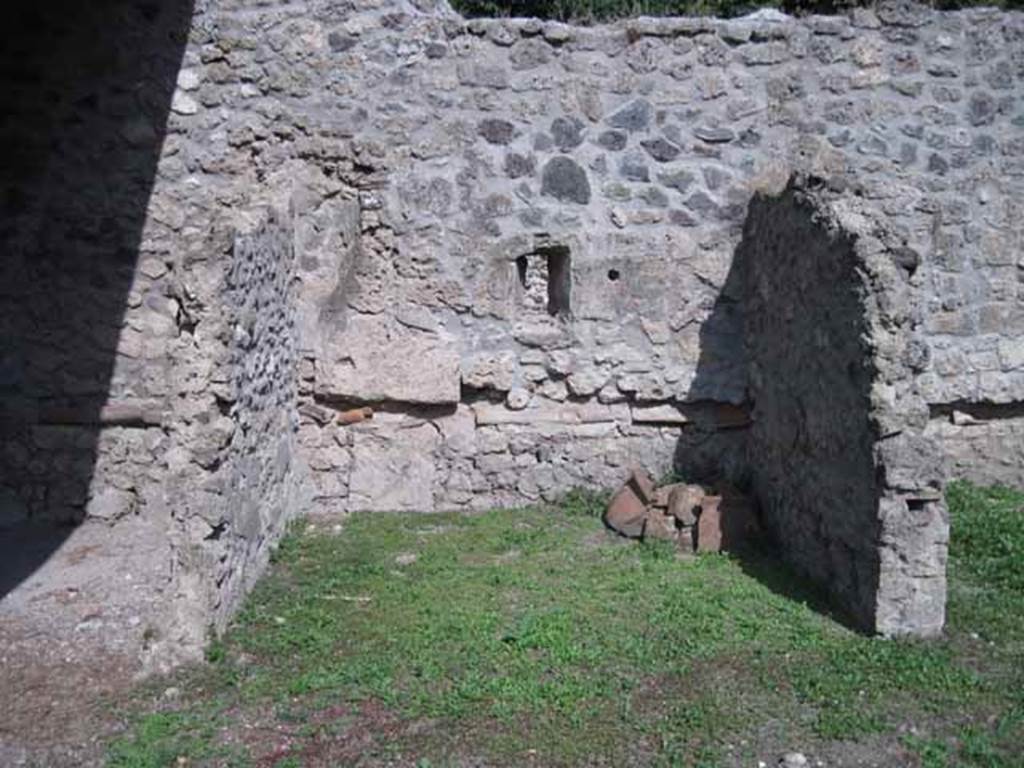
(613, 275)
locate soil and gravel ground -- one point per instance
(75, 606)
(532, 637)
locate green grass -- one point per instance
(534, 636)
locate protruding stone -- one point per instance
(635, 116)
(567, 133)
(714, 135)
(188, 79)
(662, 413)
(563, 179)
(586, 382)
(153, 268)
(661, 150)
(496, 131)
(613, 141)
(517, 399)
(183, 104)
(642, 483)
(110, 504)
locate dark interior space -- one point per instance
(87, 90)
(559, 280)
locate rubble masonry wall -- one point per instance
(434, 174)
(849, 486)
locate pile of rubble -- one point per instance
(699, 519)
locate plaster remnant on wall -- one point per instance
(379, 360)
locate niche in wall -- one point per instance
(545, 280)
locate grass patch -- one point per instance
(533, 636)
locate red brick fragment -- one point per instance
(626, 512)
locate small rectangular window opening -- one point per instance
(546, 279)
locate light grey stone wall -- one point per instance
(982, 443)
(234, 478)
(436, 176)
(481, 148)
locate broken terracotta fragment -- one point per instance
(659, 525)
(709, 525)
(626, 512)
(642, 484)
(355, 415)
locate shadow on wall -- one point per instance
(712, 447)
(86, 100)
(791, 302)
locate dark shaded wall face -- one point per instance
(87, 90)
(810, 449)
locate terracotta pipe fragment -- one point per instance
(355, 415)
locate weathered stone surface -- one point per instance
(633, 168)
(111, 504)
(487, 371)
(567, 133)
(587, 381)
(661, 150)
(677, 180)
(415, 161)
(517, 166)
(563, 179)
(394, 474)
(376, 362)
(613, 141)
(496, 131)
(635, 116)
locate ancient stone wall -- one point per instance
(492, 154)
(513, 239)
(850, 488)
(233, 478)
(981, 442)
(149, 360)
